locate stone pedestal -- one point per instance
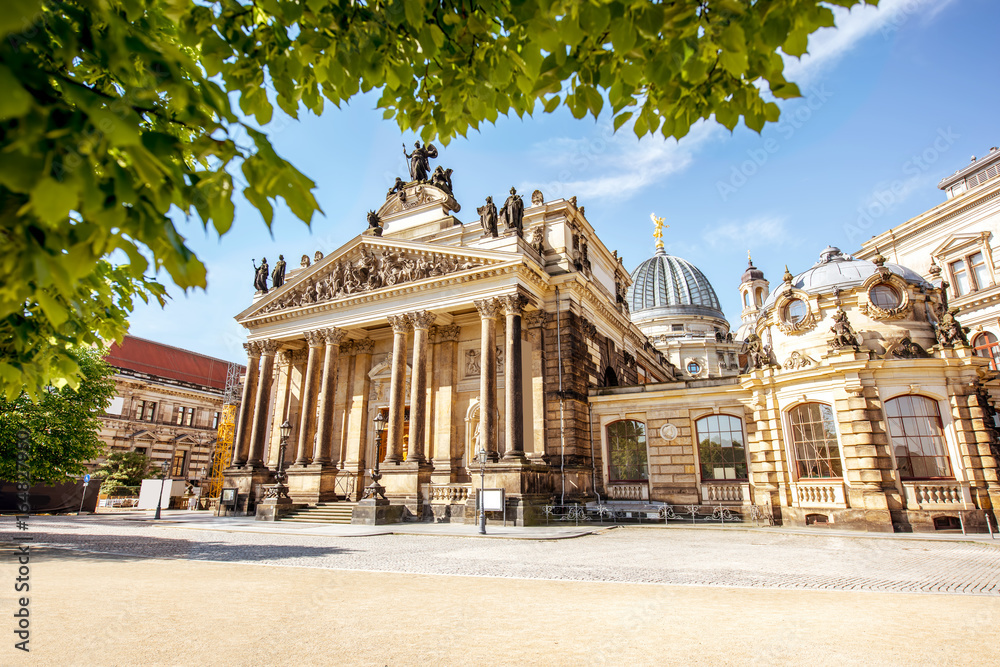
(376, 512)
(246, 481)
(314, 483)
(273, 509)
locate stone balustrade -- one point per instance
(446, 494)
(819, 494)
(633, 491)
(722, 492)
(938, 495)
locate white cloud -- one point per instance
(623, 165)
(756, 231)
(828, 45)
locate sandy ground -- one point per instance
(109, 610)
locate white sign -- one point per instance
(492, 500)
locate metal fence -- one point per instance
(754, 515)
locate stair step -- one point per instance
(339, 513)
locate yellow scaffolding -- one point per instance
(223, 450)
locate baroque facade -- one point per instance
(167, 405)
(848, 396)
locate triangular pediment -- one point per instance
(956, 242)
(371, 265)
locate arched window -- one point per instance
(759, 297)
(610, 377)
(627, 451)
(720, 448)
(917, 437)
(985, 345)
(814, 441)
(746, 299)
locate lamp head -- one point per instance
(379, 422)
(285, 429)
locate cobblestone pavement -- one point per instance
(677, 556)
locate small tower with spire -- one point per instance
(754, 288)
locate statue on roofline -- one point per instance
(420, 160)
(260, 275)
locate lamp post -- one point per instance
(163, 482)
(482, 488)
(376, 490)
(280, 490)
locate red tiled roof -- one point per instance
(168, 362)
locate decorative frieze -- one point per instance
(367, 271)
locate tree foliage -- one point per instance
(123, 469)
(62, 424)
(116, 114)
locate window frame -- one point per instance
(642, 447)
(894, 440)
(175, 469)
(701, 458)
(799, 464)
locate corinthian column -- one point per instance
(307, 406)
(488, 309)
(421, 321)
(397, 388)
(327, 393)
(259, 433)
(513, 386)
(241, 444)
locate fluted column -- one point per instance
(327, 394)
(258, 434)
(420, 320)
(513, 384)
(307, 405)
(397, 388)
(488, 309)
(282, 386)
(241, 444)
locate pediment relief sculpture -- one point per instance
(403, 197)
(902, 347)
(366, 271)
(796, 361)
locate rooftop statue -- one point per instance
(420, 160)
(442, 178)
(278, 274)
(512, 213)
(488, 218)
(260, 275)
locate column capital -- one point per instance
(284, 357)
(488, 308)
(400, 323)
(347, 348)
(513, 304)
(446, 333)
(268, 348)
(297, 356)
(332, 335)
(253, 349)
(421, 319)
(315, 338)
(364, 346)
(533, 319)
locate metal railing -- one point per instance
(664, 513)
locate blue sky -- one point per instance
(894, 100)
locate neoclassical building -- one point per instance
(456, 337)
(848, 396)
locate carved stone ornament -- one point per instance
(347, 348)
(315, 338)
(268, 347)
(472, 363)
(894, 282)
(364, 346)
(252, 349)
(488, 308)
(400, 323)
(797, 361)
(668, 432)
(787, 326)
(421, 319)
(333, 336)
(950, 333)
(533, 319)
(513, 304)
(365, 271)
(903, 348)
(413, 195)
(447, 333)
(537, 198)
(844, 335)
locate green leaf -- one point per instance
(20, 19)
(52, 200)
(14, 100)
(621, 119)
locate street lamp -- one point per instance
(375, 490)
(163, 480)
(280, 490)
(482, 487)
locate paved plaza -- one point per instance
(124, 590)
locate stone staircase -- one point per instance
(338, 512)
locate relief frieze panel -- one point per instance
(367, 271)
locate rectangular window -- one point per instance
(721, 450)
(814, 442)
(627, 451)
(177, 468)
(960, 283)
(145, 411)
(215, 420)
(115, 405)
(980, 272)
(185, 416)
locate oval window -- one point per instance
(693, 368)
(885, 297)
(796, 311)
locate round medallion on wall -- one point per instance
(668, 432)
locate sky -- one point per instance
(894, 99)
